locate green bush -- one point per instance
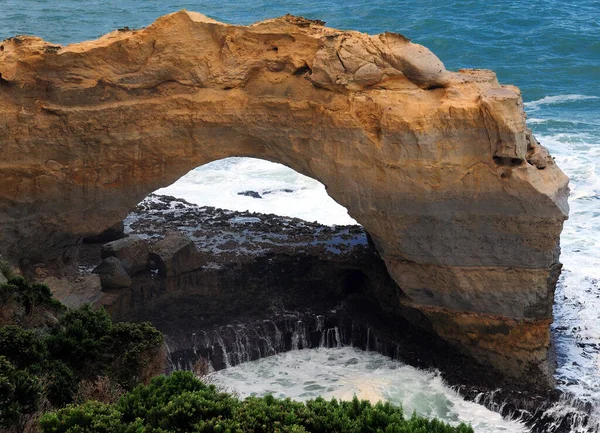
(23, 348)
(181, 403)
(133, 346)
(20, 394)
(81, 338)
(61, 383)
(84, 344)
(88, 341)
(31, 295)
(91, 416)
(6, 269)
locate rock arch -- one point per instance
(463, 204)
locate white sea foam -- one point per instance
(345, 372)
(577, 302)
(283, 190)
(557, 99)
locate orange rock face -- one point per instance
(463, 204)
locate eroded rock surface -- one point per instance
(462, 203)
(132, 251)
(113, 274)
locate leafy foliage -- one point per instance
(20, 394)
(61, 382)
(80, 339)
(51, 362)
(31, 295)
(134, 346)
(181, 403)
(22, 347)
(6, 269)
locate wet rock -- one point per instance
(175, 254)
(113, 274)
(132, 251)
(286, 190)
(252, 194)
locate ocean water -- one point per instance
(549, 48)
(344, 372)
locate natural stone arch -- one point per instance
(464, 206)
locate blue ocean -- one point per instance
(548, 48)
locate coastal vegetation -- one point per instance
(74, 370)
(181, 403)
(51, 355)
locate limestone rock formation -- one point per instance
(176, 254)
(74, 292)
(463, 204)
(132, 251)
(113, 274)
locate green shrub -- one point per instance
(23, 348)
(92, 416)
(81, 338)
(30, 295)
(61, 383)
(20, 394)
(6, 269)
(134, 346)
(83, 345)
(181, 403)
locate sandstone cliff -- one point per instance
(462, 203)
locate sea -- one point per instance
(548, 48)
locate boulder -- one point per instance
(175, 254)
(132, 251)
(112, 274)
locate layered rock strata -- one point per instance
(463, 204)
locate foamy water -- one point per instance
(575, 143)
(283, 190)
(345, 372)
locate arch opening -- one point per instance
(258, 185)
(215, 267)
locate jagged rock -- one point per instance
(112, 274)
(433, 164)
(112, 233)
(537, 155)
(175, 254)
(252, 194)
(132, 251)
(3, 279)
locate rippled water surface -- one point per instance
(550, 49)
